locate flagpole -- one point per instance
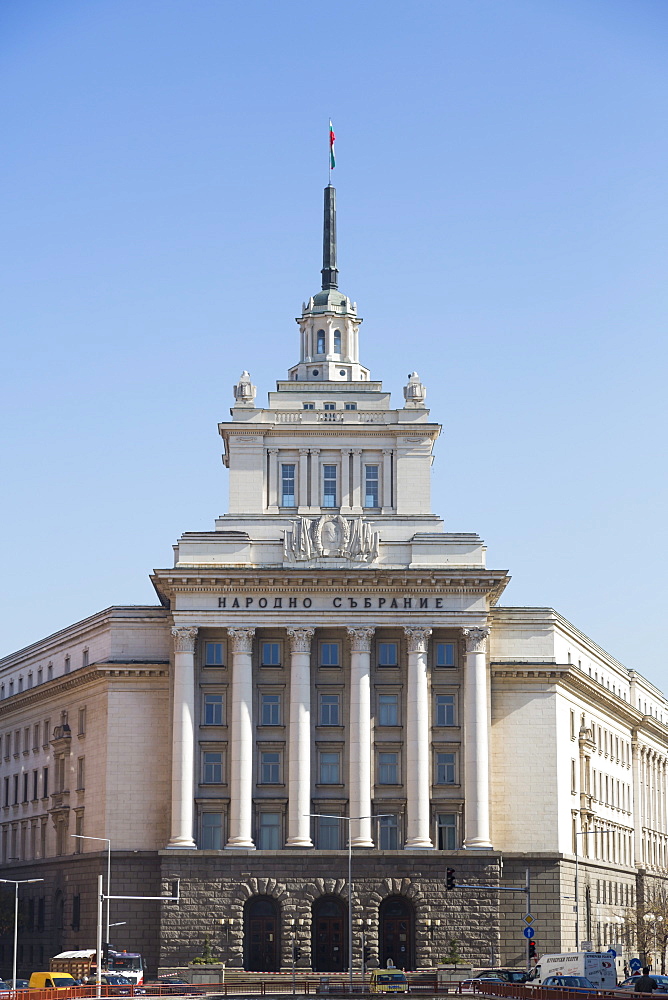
(329, 150)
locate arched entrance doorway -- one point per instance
(261, 944)
(330, 949)
(397, 932)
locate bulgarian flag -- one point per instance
(332, 137)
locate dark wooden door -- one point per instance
(329, 936)
(262, 953)
(397, 933)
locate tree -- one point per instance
(453, 957)
(648, 923)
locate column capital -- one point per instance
(476, 639)
(357, 451)
(300, 639)
(418, 637)
(304, 451)
(360, 638)
(184, 638)
(242, 639)
(314, 451)
(273, 451)
(388, 451)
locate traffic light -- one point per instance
(296, 952)
(450, 879)
(105, 954)
(367, 952)
(532, 949)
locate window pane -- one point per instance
(447, 832)
(329, 654)
(388, 829)
(212, 832)
(370, 485)
(213, 654)
(329, 486)
(213, 710)
(351, 406)
(320, 342)
(329, 406)
(445, 654)
(445, 710)
(329, 833)
(388, 710)
(271, 654)
(330, 768)
(271, 709)
(287, 485)
(309, 406)
(270, 768)
(445, 768)
(337, 341)
(269, 833)
(387, 654)
(213, 768)
(388, 769)
(329, 710)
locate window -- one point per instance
(388, 833)
(29, 679)
(329, 710)
(387, 654)
(5, 796)
(213, 710)
(329, 406)
(39, 676)
(82, 722)
(47, 732)
(371, 486)
(26, 739)
(445, 768)
(16, 791)
(330, 768)
(67, 664)
(445, 654)
(337, 341)
(388, 710)
(271, 654)
(445, 710)
(213, 654)
(269, 833)
(213, 767)
(25, 786)
(329, 833)
(320, 342)
(329, 486)
(76, 911)
(81, 772)
(573, 779)
(35, 778)
(45, 782)
(271, 709)
(49, 672)
(351, 406)
(8, 745)
(447, 832)
(288, 485)
(329, 654)
(388, 768)
(84, 658)
(212, 832)
(79, 827)
(270, 767)
(309, 406)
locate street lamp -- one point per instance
(349, 820)
(581, 833)
(16, 883)
(80, 836)
(654, 919)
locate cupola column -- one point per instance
(360, 735)
(241, 742)
(476, 740)
(299, 768)
(418, 771)
(183, 738)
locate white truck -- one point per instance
(597, 966)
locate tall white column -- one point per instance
(360, 735)
(345, 481)
(418, 770)
(273, 499)
(387, 480)
(314, 499)
(241, 741)
(356, 499)
(183, 738)
(299, 769)
(476, 737)
(302, 484)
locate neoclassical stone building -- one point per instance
(329, 662)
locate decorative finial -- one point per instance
(244, 391)
(330, 274)
(414, 392)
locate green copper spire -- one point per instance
(330, 273)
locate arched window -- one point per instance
(337, 341)
(320, 343)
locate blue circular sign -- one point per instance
(612, 953)
(528, 932)
(635, 964)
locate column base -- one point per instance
(304, 842)
(239, 843)
(362, 842)
(418, 844)
(181, 844)
(478, 844)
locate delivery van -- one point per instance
(51, 981)
(388, 981)
(597, 966)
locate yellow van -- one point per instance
(51, 981)
(388, 981)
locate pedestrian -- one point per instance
(645, 983)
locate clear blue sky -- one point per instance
(503, 227)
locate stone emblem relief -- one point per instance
(331, 535)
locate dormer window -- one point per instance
(351, 406)
(309, 406)
(337, 341)
(320, 342)
(330, 406)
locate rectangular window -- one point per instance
(371, 486)
(8, 746)
(81, 772)
(16, 790)
(213, 654)
(329, 654)
(445, 710)
(388, 833)
(572, 717)
(270, 767)
(84, 658)
(388, 710)
(309, 406)
(329, 833)
(447, 832)
(82, 722)
(79, 828)
(5, 796)
(47, 732)
(213, 709)
(67, 664)
(26, 739)
(445, 768)
(35, 736)
(388, 768)
(387, 654)
(35, 784)
(573, 780)
(329, 406)
(45, 782)
(212, 832)
(350, 406)
(329, 710)
(330, 768)
(269, 833)
(445, 654)
(271, 709)
(25, 786)
(329, 486)
(213, 767)
(288, 486)
(271, 654)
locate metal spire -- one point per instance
(330, 273)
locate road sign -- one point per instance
(612, 953)
(635, 964)
(528, 932)
(528, 918)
